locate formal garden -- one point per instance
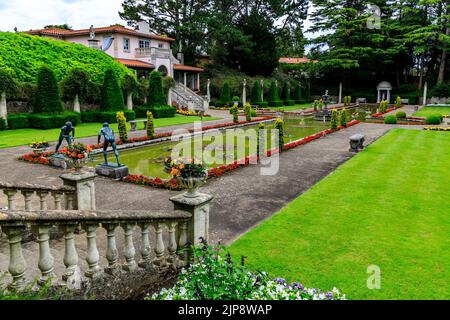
(319, 175)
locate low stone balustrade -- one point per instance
(175, 225)
(13, 192)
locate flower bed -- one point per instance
(447, 129)
(379, 114)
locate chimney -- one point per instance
(143, 27)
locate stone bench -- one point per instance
(134, 123)
(404, 101)
(361, 100)
(357, 142)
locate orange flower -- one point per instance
(74, 155)
(80, 156)
(174, 172)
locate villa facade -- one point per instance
(137, 49)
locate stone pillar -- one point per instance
(340, 92)
(198, 225)
(244, 93)
(3, 108)
(130, 101)
(76, 104)
(208, 90)
(198, 81)
(84, 189)
(388, 96)
(262, 90)
(169, 97)
(425, 92)
(185, 79)
(379, 96)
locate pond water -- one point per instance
(149, 160)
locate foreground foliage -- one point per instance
(215, 276)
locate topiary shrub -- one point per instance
(400, 115)
(112, 97)
(150, 125)
(162, 111)
(156, 91)
(390, 119)
(274, 97)
(234, 110)
(256, 93)
(18, 121)
(235, 99)
(441, 90)
(279, 125)
(129, 86)
(398, 102)
(286, 92)
(122, 125)
(225, 95)
(2, 124)
(75, 85)
(51, 121)
(344, 117)
(298, 94)
(47, 98)
(434, 119)
(248, 112)
(334, 123)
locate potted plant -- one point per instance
(78, 154)
(39, 147)
(190, 174)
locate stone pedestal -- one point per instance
(85, 189)
(198, 225)
(112, 170)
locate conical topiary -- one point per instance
(225, 96)
(256, 92)
(156, 91)
(112, 97)
(47, 98)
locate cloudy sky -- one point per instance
(35, 14)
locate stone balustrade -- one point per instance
(175, 225)
(13, 192)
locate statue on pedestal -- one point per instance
(110, 139)
(67, 133)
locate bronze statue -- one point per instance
(67, 133)
(110, 139)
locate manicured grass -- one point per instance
(428, 111)
(12, 138)
(293, 108)
(388, 206)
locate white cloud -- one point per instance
(35, 14)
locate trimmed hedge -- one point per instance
(107, 116)
(390, 119)
(161, 111)
(262, 104)
(18, 121)
(434, 119)
(289, 102)
(401, 115)
(51, 121)
(276, 104)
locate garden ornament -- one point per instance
(67, 133)
(110, 139)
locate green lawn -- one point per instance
(12, 138)
(293, 108)
(388, 206)
(427, 111)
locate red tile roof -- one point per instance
(112, 29)
(182, 67)
(136, 63)
(296, 60)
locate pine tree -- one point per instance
(47, 98)
(112, 97)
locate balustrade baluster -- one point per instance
(92, 257)
(17, 265)
(128, 251)
(46, 262)
(43, 200)
(69, 201)
(72, 276)
(27, 195)
(112, 254)
(10, 193)
(183, 243)
(57, 198)
(159, 249)
(145, 244)
(172, 243)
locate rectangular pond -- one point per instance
(149, 160)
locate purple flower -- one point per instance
(329, 295)
(298, 286)
(280, 281)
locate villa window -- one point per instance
(161, 45)
(144, 44)
(126, 45)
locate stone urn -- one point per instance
(39, 151)
(78, 165)
(192, 184)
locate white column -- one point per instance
(340, 92)
(244, 93)
(379, 96)
(76, 104)
(389, 96)
(185, 79)
(198, 81)
(425, 92)
(169, 97)
(262, 90)
(208, 89)
(3, 108)
(130, 101)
